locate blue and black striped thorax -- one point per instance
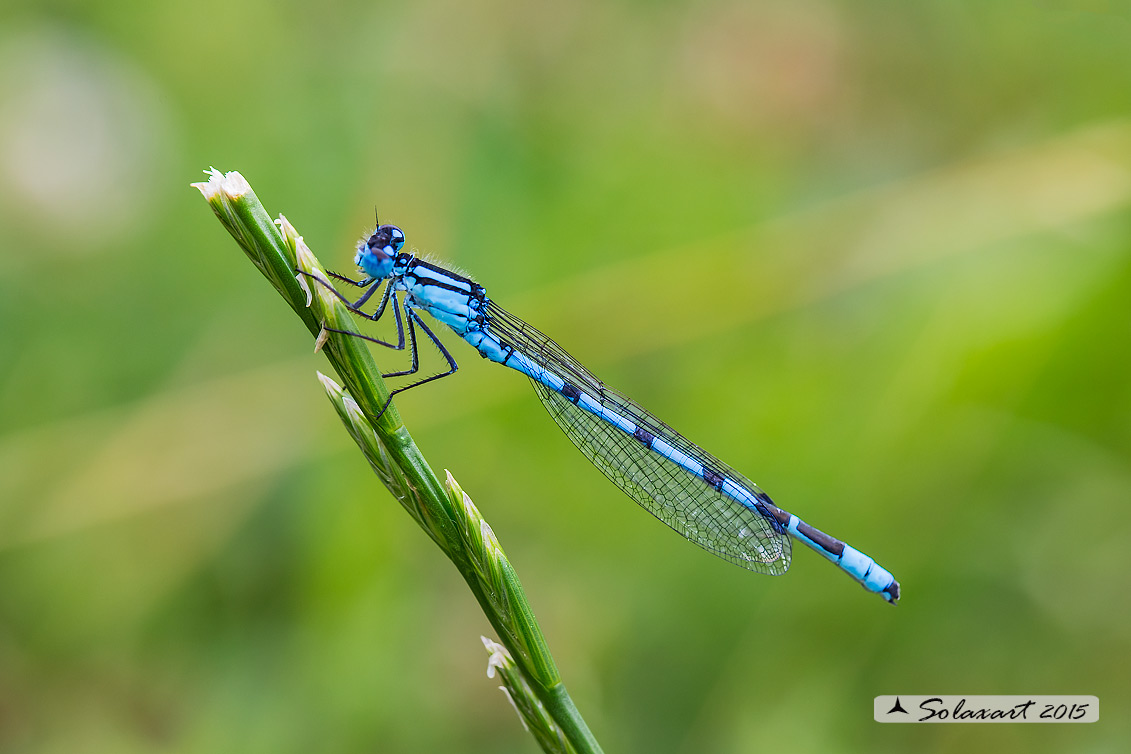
(457, 301)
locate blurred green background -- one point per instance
(877, 257)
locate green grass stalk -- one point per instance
(442, 509)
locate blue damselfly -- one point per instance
(672, 478)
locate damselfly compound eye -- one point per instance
(397, 239)
(387, 239)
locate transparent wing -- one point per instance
(748, 537)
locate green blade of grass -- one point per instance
(443, 510)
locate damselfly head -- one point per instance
(387, 238)
(375, 254)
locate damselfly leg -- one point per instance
(413, 318)
(355, 307)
